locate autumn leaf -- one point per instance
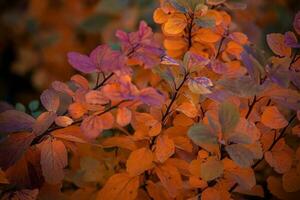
(200, 85)
(175, 24)
(13, 147)
(277, 45)
(229, 117)
(291, 181)
(156, 191)
(43, 122)
(272, 118)
(188, 109)
(50, 100)
(164, 148)
(63, 121)
(211, 194)
(53, 160)
(242, 155)
(120, 186)
(123, 116)
(280, 157)
(92, 126)
(202, 135)
(139, 161)
(14, 121)
(211, 169)
(206, 35)
(125, 142)
(170, 178)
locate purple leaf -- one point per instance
(13, 147)
(81, 62)
(43, 122)
(50, 100)
(14, 121)
(290, 40)
(141, 45)
(151, 97)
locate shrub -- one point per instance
(208, 116)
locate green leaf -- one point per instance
(178, 5)
(229, 116)
(242, 87)
(201, 135)
(206, 22)
(20, 107)
(33, 105)
(211, 169)
(240, 154)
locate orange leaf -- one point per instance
(277, 44)
(211, 194)
(280, 158)
(120, 186)
(159, 16)
(195, 182)
(188, 109)
(139, 161)
(123, 116)
(157, 192)
(291, 181)
(170, 178)
(175, 24)
(272, 118)
(207, 35)
(120, 141)
(53, 160)
(164, 149)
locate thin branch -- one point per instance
(220, 47)
(38, 138)
(174, 98)
(103, 81)
(251, 106)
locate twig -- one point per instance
(174, 97)
(104, 81)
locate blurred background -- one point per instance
(35, 35)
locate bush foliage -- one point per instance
(203, 114)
